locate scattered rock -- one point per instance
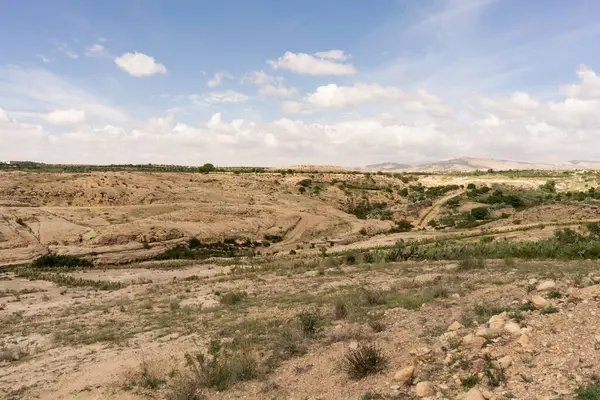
(455, 326)
(490, 333)
(546, 285)
(425, 389)
(497, 321)
(474, 394)
(526, 341)
(539, 302)
(487, 394)
(586, 293)
(473, 341)
(513, 328)
(404, 375)
(421, 351)
(505, 362)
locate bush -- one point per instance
(471, 186)
(591, 391)
(305, 183)
(363, 361)
(373, 297)
(310, 322)
(480, 213)
(194, 243)
(233, 298)
(340, 309)
(301, 190)
(56, 261)
(350, 259)
(469, 381)
(470, 263)
(20, 221)
(292, 252)
(403, 226)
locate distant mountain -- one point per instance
(466, 164)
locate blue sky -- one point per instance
(297, 82)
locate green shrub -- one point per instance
(480, 213)
(310, 322)
(340, 309)
(57, 261)
(469, 381)
(194, 243)
(365, 360)
(233, 298)
(591, 391)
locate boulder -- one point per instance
(546, 285)
(513, 328)
(497, 321)
(405, 374)
(474, 394)
(505, 362)
(425, 389)
(539, 302)
(455, 326)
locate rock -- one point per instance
(497, 321)
(427, 278)
(525, 341)
(598, 339)
(539, 302)
(425, 389)
(353, 345)
(404, 375)
(532, 281)
(421, 351)
(546, 285)
(513, 328)
(474, 394)
(595, 279)
(474, 341)
(490, 333)
(586, 293)
(505, 362)
(487, 394)
(455, 326)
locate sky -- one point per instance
(277, 83)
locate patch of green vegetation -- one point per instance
(58, 261)
(549, 310)
(367, 359)
(68, 280)
(591, 391)
(470, 381)
(310, 322)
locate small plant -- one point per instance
(509, 262)
(517, 316)
(194, 243)
(340, 309)
(495, 376)
(527, 307)
(363, 232)
(591, 391)
(470, 381)
(368, 257)
(20, 222)
(470, 263)
(233, 298)
(373, 297)
(350, 259)
(310, 322)
(377, 326)
(554, 294)
(292, 252)
(549, 310)
(365, 360)
(56, 261)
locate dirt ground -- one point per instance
(287, 319)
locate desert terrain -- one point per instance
(303, 283)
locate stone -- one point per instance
(405, 374)
(353, 345)
(539, 302)
(455, 326)
(420, 352)
(595, 279)
(425, 389)
(474, 341)
(586, 293)
(505, 362)
(546, 285)
(513, 328)
(597, 339)
(490, 333)
(497, 321)
(474, 394)
(525, 341)
(487, 394)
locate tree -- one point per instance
(480, 212)
(206, 168)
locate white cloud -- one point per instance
(65, 117)
(43, 58)
(228, 96)
(64, 48)
(270, 85)
(302, 63)
(587, 89)
(139, 65)
(38, 91)
(102, 39)
(217, 79)
(338, 55)
(95, 50)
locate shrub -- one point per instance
(56, 261)
(365, 360)
(480, 213)
(301, 190)
(310, 322)
(549, 310)
(377, 326)
(373, 297)
(222, 367)
(403, 226)
(20, 221)
(363, 232)
(305, 183)
(194, 243)
(471, 263)
(554, 294)
(350, 259)
(340, 309)
(233, 298)
(495, 376)
(591, 391)
(469, 381)
(368, 258)
(471, 186)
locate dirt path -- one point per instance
(434, 211)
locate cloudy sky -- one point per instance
(270, 82)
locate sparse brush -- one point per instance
(517, 316)
(340, 309)
(591, 391)
(310, 322)
(470, 263)
(554, 294)
(495, 376)
(365, 360)
(549, 310)
(373, 297)
(233, 298)
(288, 343)
(377, 326)
(469, 381)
